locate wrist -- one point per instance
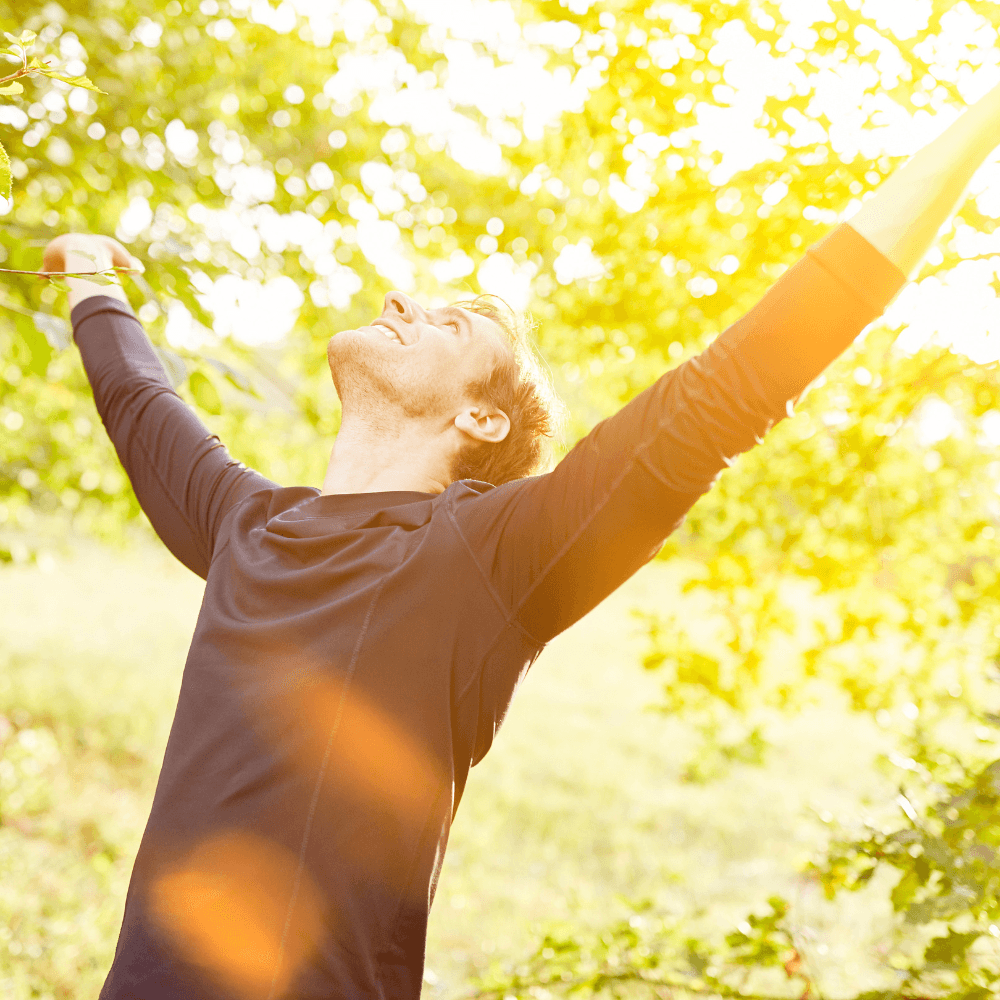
(87, 290)
(907, 211)
(82, 288)
(85, 253)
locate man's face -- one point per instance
(413, 362)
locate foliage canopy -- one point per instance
(638, 174)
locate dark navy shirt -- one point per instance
(355, 654)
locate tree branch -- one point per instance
(70, 274)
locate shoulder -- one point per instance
(473, 493)
(479, 509)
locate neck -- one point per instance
(367, 460)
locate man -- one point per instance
(358, 645)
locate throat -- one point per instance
(366, 460)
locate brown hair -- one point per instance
(520, 386)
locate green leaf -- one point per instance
(73, 81)
(902, 895)
(9, 89)
(15, 39)
(950, 949)
(39, 349)
(27, 37)
(4, 172)
(205, 394)
(105, 279)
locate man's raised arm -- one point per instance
(182, 475)
(556, 545)
(903, 217)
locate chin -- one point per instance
(341, 343)
(330, 349)
(361, 364)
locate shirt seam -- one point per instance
(573, 538)
(338, 517)
(640, 459)
(391, 934)
(311, 814)
(509, 614)
(219, 530)
(476, 674)
(226, 490)
(855, 291)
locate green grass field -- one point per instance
(580, 804)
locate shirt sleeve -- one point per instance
(185, 480)
(552, 547)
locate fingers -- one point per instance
(120, 257)
(54, 255)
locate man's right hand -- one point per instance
(107, 252)
(83, 252)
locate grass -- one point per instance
(580, 804)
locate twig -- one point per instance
(23, 71)
(70, 274)
(14, 76)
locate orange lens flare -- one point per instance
(372, 754)
(372, 770)
(225, 907)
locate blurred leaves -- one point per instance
(78, 753)
(56, 331)
(5, 168)
(851, 556)
(653, 955)
(205, 394)
(947, 894)
(187, 126)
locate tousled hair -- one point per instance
(519, 385)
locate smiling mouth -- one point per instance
(390, 333)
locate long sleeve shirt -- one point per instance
(355, 654)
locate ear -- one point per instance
(483, 425)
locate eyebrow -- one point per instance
(467, 315)
(458, 313)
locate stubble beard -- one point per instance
(378, 391)
(362, 378)
(374, 390)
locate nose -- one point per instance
(398, 304)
